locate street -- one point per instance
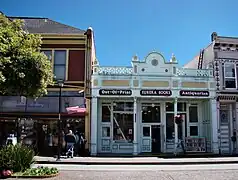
(147, 172)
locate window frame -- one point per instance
(48, 50)
(60, 64)
(189, 123)
(232, 78)
(153, 113)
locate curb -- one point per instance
(136, 163)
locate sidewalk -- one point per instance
(135, 161)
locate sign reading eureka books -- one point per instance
(155, 92)
(115, 92)
(194, 93)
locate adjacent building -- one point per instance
(71, 51)
(133, 109)
(222, 55)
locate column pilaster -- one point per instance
(94, 126)
(236, 124)
(175, 125)
(135, 142)
(215, 114)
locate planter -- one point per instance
(34, 177)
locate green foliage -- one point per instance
(24, 70)
(16, 158)
(40, 171)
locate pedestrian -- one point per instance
(82, 142)
(77, 145)
(233, 139)
(70, 142)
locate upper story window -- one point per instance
(60, 64)
(230, 76)
(48, 53)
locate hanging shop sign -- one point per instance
(194, 93)
(155, 92)
(115, 92)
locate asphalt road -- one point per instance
(153, 172)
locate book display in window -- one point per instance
(195, 144)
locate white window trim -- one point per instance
(193, 123)
(230, 77)
(60, 65)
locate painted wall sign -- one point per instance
(194, 93)
(155, 92)
(114, 92)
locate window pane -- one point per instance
(146, 131)
(106, 114)
(229, 70)
(150, 114)
(105, 131)
(123, 127)
(230, 83)
(123, 106)
(224, 116)
(48, 53)
(180, 126)
(169, 126)
(59, 72)
(193, 114)
(59, 57)
(193, 131)
(181, 106)
(169, 106)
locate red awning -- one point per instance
(75, 109)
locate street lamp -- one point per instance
(60, 84)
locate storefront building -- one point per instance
(71, 51)
(222, 56)
(134, 108)
(35, 121)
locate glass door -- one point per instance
(146, 138)
(192, 124)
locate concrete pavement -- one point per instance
(135, 161)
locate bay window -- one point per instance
(230, 76)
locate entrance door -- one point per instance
(155, 139)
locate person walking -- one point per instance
(70, 140)
(82, 142)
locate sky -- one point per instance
(124, 28)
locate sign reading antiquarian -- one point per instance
(194, 93)
(115, 92)
(155, 92)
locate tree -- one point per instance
(24, 70)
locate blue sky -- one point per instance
(124, 28)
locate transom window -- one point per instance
(150, 113)
(123, 106)
(230, 75)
